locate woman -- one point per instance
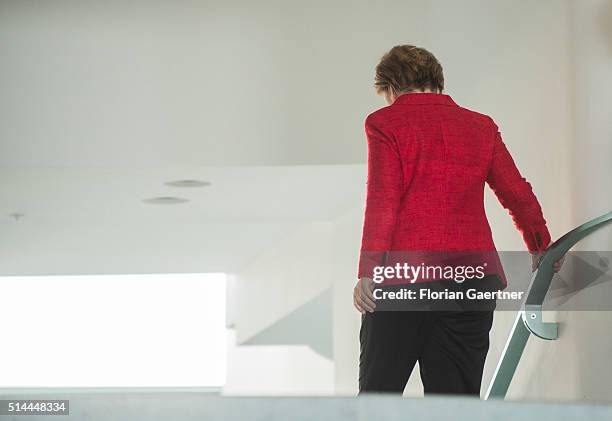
(428, 162)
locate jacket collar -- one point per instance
(424, 98)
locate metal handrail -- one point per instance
(529, 318)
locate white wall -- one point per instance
(576, 366)
(211, 82)
(276, 370)
(235, 83)
(281, 278)
(592, 179)
(346, 320)
(278, 281)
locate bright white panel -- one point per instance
(113, 331)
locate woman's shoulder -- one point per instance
(478, 117)
(385, 117)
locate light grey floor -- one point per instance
(133, 405)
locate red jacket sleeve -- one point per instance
(383, 194)
(516, 195)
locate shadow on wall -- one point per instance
(605, 24)
(310, 324)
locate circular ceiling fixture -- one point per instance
(187, 183)
(16, 215)
(165, 200)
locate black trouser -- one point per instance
(450, 346)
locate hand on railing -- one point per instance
(535, 262)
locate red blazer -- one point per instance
(428, 162)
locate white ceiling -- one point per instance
(85, 220)
(83, 196)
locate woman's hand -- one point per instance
(363, 298)
(535, 262)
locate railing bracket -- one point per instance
(532, 317)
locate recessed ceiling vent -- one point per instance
(165, 200)
(188, 183)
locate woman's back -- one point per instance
(428, 162)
